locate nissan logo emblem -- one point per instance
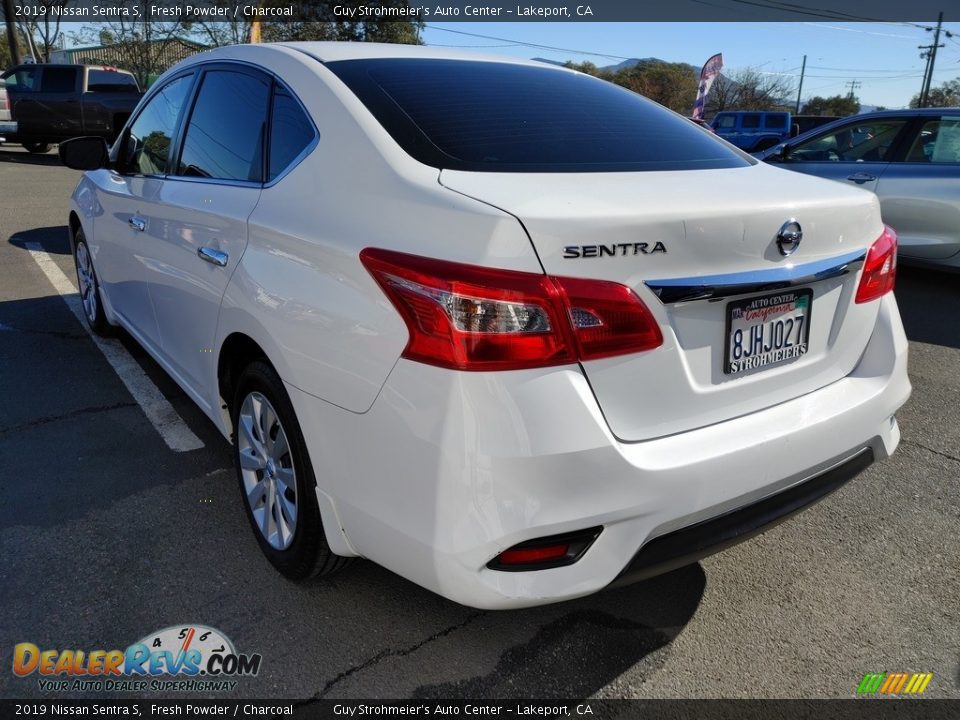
(789, 237)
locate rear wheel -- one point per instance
(89, 286)
(37, 148)
(276, 477)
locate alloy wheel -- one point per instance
(88, 288)
(266, 467)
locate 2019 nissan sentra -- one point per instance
(508, 330)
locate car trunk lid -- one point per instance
(692, 244)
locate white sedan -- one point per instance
(508, 330)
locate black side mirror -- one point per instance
(783, 152)
(85, 153)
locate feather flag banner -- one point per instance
(708, 74)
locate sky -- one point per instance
(883, 57)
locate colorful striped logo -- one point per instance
(894, 683)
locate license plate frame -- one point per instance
(802, 299)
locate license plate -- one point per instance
(767, 330)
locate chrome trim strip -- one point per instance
(716, 287)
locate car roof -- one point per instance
(903, 111)
(68, 65)
(331, 51)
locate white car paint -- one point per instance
(432, 472)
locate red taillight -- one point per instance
(880, 268)
(608, 318)
(467, 317)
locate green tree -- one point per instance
(585, 67)
(139, 43)
(675, 86)
(671, 84)
(837, 106)
(44, 29)
(947, 95)
(6, 57)
(319, 23)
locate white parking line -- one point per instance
(155, 406)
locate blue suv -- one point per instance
(755, 130)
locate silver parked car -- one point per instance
(909, 158)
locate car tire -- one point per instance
(89, 287)
(276, 477)
(37, 148)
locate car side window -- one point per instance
(225, 135)
(58, 80)
(291, 132)
(110, 81)
(750, 120)
(152, 131)
(937, 142)
(775, 121)
(865, 141)
(22, 79)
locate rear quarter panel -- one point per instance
(300, 290)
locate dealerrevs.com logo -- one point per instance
(182, 658)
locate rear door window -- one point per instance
(58, 80)
(775, 121)
(111, 81)
(750, 121)
(225, 135)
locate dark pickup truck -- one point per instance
(51, 103)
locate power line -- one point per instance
(864, 32)
(864, 70)
(805, 10)
(538, 46)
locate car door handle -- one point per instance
(137, 223)
(213, 256)
(861, 177)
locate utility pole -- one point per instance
(11, 32)
(854, 84)
(803, 70)
(926, 72)
(925, 93)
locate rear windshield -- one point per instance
(110, 81)
(498, 117)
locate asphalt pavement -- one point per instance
(106, 535)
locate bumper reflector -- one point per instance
(546, 552)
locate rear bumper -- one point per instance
(446, 470)
(687, 545)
